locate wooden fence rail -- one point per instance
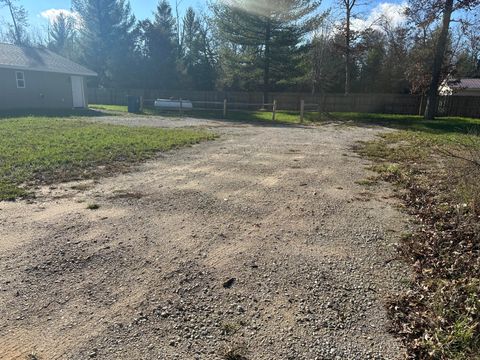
(366, 103)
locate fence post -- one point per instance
(225, 108)
(274, 112)
(181, 107)
(302, 110)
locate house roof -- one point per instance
(39, 59)
(469, 84)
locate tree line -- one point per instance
(265, 45)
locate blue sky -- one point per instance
(141, 8)
(144, 8)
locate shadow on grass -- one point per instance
(257, 118)
(51, 113)
(251, 117)
(441, 125)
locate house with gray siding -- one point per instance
(37, 78)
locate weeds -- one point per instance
(235, 351)
(10, 191)
(123, 194)
(439, 316)
(465, 154)
(82, 187)
(230, 328)
(366, 182)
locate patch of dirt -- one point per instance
(275, 208)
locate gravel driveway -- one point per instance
(259, 243)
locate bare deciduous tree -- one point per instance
(17, 29)
(434, 10)
(348, 6)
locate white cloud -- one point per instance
(52, 14)
(393, 14)
(259, 7)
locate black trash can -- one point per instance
(134, 104)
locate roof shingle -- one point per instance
(39, 59)
(465, 84)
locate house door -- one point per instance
(78, 92)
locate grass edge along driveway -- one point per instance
(435, 164)
(41, 150)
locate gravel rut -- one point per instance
(260, 243)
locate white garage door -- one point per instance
(77, 92)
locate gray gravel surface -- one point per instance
(156, 121)
(260, 243)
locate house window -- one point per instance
(20, 79)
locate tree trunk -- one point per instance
(266, 70)
(347, 53)
(421, 109)
(18, 40)
(432, 99)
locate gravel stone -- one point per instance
(142, 277)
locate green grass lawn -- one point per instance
(421, 143)
(441, 125)
(116, 108)
(50, 113)
(44, 150)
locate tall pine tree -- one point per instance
(262, 37)
(197, 59)
(158, 47)
(62, 35)
(107, 41)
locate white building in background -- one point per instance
(461, 87)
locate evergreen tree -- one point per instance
(371, 59)
(394, 65)
(198, 62)
(467, 65)
(107, 40)
(158, 48)
(262, 37)
(62, 35)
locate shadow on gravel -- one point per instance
(262, 123)
(256, 118)
(441, 125)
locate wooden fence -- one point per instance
(468, 106)
(366, 103)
